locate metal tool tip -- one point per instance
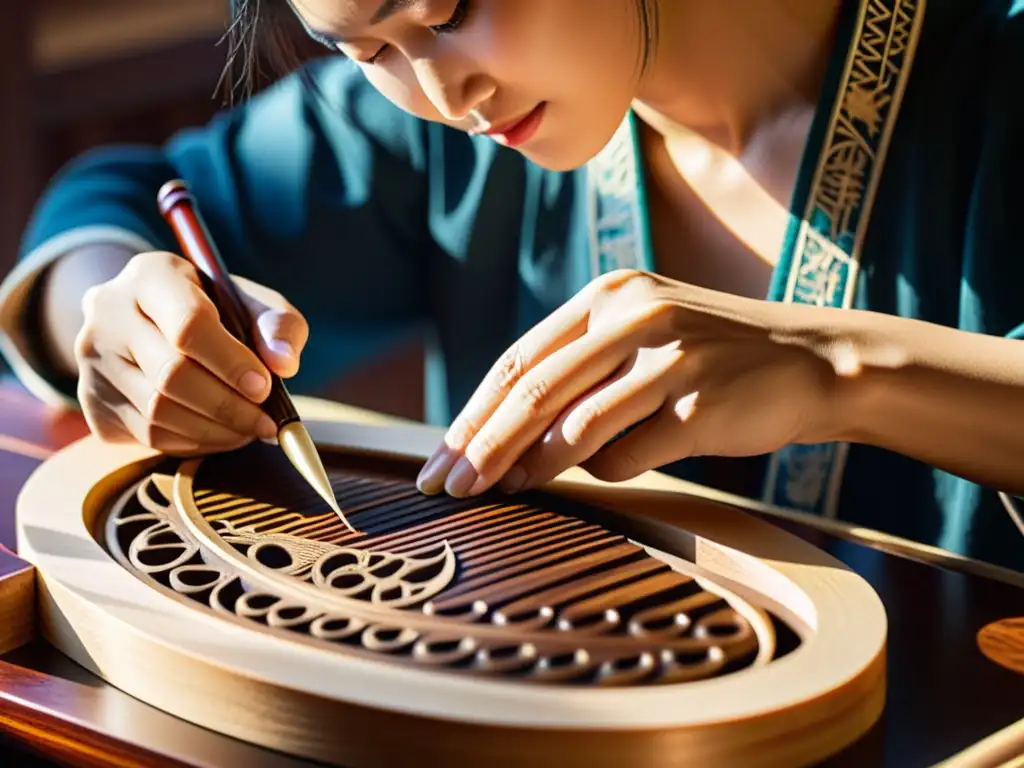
(301, 452)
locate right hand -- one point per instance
(156, 366)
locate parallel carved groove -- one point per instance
(522, 589)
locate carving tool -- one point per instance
(178, 207)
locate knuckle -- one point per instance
(156, 407)
(661, 311)
(535, 397)
(582, 420)
(510, 368)
(610, 282)
(84, 345)
(483, 451)
(169, 377)
(195, 320)
(462, 431)
(142, 262)
(91, 301)
(227, 412)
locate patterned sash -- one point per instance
(819, 261)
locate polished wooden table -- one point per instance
(947, 698)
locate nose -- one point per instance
(451, 90)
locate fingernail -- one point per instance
(514, 480)
(461, 479)
(252, 385)
(282, 347)
(266, 429)
(435, 471)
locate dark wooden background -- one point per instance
(78, 73)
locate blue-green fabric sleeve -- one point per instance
(318, 192)
(992, 299)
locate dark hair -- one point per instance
(267, 33)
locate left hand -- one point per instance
(712, 374)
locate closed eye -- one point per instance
(458, 16)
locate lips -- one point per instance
(519, 131)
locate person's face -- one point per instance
(562, 71)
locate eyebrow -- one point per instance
(386, 10)
(389, 8)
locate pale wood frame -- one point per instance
(319, 704)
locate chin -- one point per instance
(568, 154)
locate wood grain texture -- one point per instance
(945, 697)
(1003, 642)
(531, 590)
(17, 601)
(53, 707)
(343, 708)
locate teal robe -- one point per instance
(378, 225)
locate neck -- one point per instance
(723, 68)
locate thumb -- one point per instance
(281, 332)
(281, 335)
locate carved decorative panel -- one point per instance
(522, 589)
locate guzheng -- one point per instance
(586, 623)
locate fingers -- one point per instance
(564, 326)
(113, 417)
(280, 337)
(586, 426)
(175, 391)
(190, 323)
(281, 330)
(667, 437)
(531, 406)
(157, 365)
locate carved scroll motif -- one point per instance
(542, 599)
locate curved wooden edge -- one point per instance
(17, 601)
(819, 698)
(820, 593)
(1003, 749)
(316, 408)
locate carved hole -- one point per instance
(346, 580)
(198, 578)
(506, 652)
(291, 612)
(392, 593)
(641, 660)
(154, 558)
(721, 630)
(164, 537)
(273, 556)
(446, 646)
(424, 574)
(375, 559)
(387, 569)
(335, 625)
(259, 602)
(227, 595)
(566, 659)
(693, 657)
(388, 635)
(340, 560)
